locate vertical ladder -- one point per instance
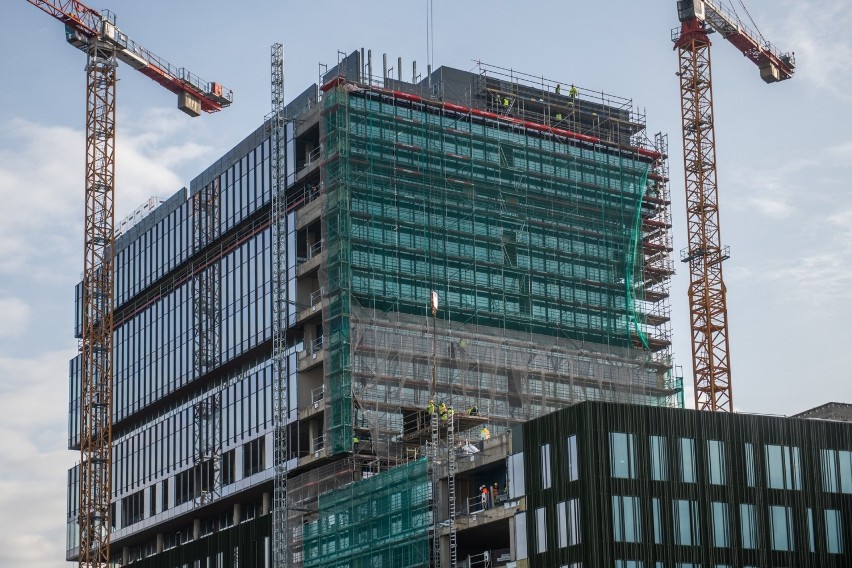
(436, 482)
(280, 311)
(451, 486)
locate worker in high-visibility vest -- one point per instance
(573, 92)
(430, 408)
(484, 434)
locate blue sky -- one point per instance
(784, 158)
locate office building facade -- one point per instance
(629, 486)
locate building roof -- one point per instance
(838, 411)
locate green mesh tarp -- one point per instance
(380, 522)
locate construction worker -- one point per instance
(484, 434)
(559, 116)
(494, 492)
(449, 413)
(442, 410)
(430, 408)
(558, 88)
(473, 411)
(483, 499)
(573, 92)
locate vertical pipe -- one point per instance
(429, 76)
(384, 67)
(370, 65)
(363, 66)
(399, 68)
(413, 71)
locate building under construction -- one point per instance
(461, 253)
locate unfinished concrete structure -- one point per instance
(537, 214)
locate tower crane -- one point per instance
(104, 44)
(705, 253)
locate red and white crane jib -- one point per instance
(82, 24)
(774, 65)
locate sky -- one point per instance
(783, 155)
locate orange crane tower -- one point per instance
(105, 44)
(705, 253)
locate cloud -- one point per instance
(33, 464)
(42, 181)
(14, 317)
(818, 32)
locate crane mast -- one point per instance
(105, 45)
(705, 252)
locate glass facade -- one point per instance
(192, 408)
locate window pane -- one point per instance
(573, 466)
(540, 530)
(828, 460)
(748, 523)
(781, 529)
(658, 521)
(573, 522)
(659, 458)
(749, 463)
(833, 532)
(562, 524)
(844, 464)
(720, 524)
(622, 453)
(782, 467)
(686, 530)
(545, 466)
(716, 462)
(687, 460)
(626, 519)
(811, 543)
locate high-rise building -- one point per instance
(488, 245)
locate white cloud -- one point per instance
(818, 32)
(14, 317)
(41, 187)
(33, 464)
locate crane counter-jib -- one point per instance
(194, 94)
(774, 65)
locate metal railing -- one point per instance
(317, 395)
(316, 298)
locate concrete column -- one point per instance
(265, 507)
(237, 513)
(196, 529)
(159, 542)
(125, 556)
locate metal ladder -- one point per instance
(280, 311)
(436, 482)
(451, 487)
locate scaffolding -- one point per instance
(383, 520)
(539, 213)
